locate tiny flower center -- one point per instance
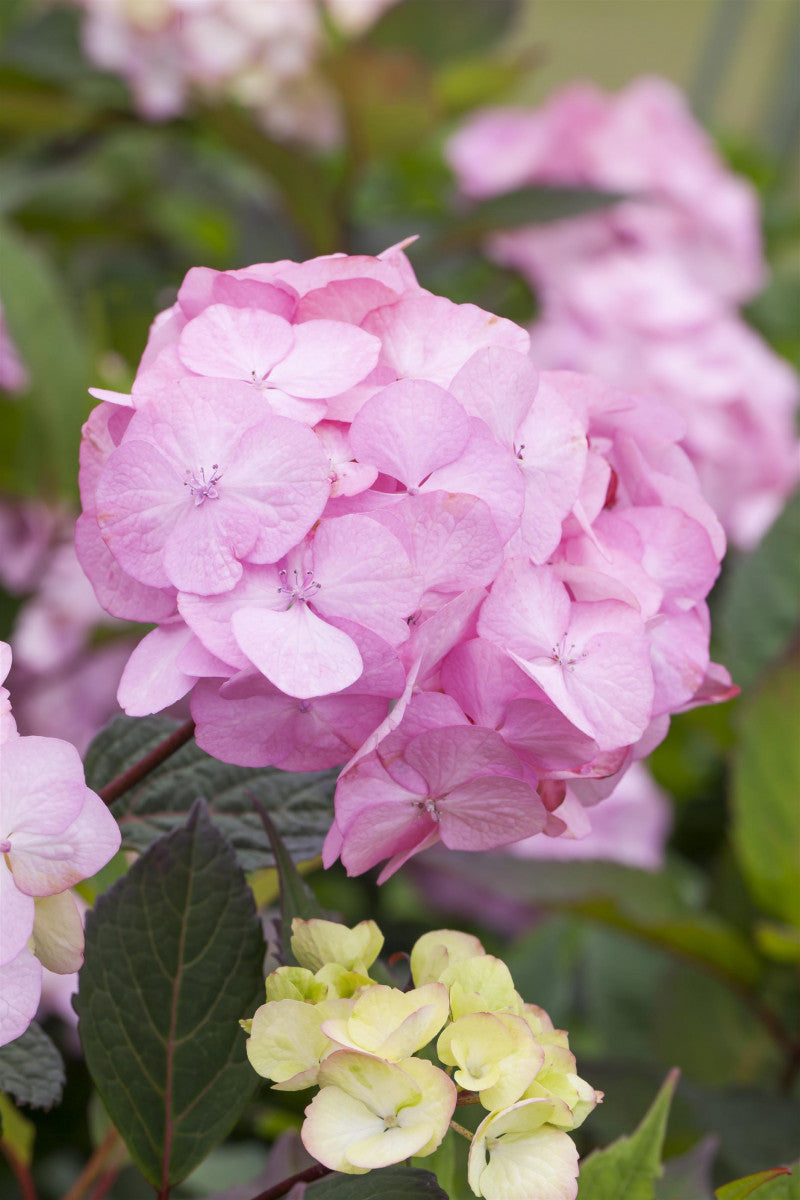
(5, 846)
(299, 586)
(518, 452)
(202, 488)
(430, 806)
(304, 706)
(390, 1121)
(564, 656)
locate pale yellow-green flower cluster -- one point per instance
(327, 1023)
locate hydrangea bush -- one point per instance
(418, 590)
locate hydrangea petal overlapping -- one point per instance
(644, 294)
(327, 1024)
(54, 831)
(371, 536)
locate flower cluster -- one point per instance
(54, 831)
(644, 294)
(337, 495)
(263, 55)
(327, 1024)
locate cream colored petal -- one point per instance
(434, 952)
(316, 943)
(58, 933)
(515, 1153)
(334, 1121)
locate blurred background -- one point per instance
(135, 146)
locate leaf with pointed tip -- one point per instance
(300, 804)
(739, 1189)
(390, 1183)
(535, 205)
(31, 1069)
(297, 898)
(630, 1166)
(174, 956)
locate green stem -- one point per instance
(465, 1133)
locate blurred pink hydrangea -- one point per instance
(13, 375)
(643, 294)
(263, 55)
(369, 533)
(643, 143)
(54, 832)
(64, 681)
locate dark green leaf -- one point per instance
(766, 785)
(630, 1166)
(739, 1189)
(38, 313)
(436, 32)
(300, 804)
(391, 1183)
(297, 898)
(174, 955)
(31, 1069)
(528, 206)
(758, 612)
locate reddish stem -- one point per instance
(21, 1172)
(159, 754)
(280, 1189)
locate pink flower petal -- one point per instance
(488, 812)
(409, 429)
(327, 358)
(499, 386)
(17, 909)
(20, 989)
(235, 343)
(301, 654)
(152, 679)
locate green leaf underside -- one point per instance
(174, 955)
(390, 1183)
(739, 1189)
(299, 804)
(31, 1069)
(630, 1166)
(766, 785)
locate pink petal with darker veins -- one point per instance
(326, 358)
(499, 386)
(365, 576)
(488, 471)
(301, 654)
(451, 540)
(409, 429)
(234, 343)
(430, 337)
(489, 812)
(270, 728)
